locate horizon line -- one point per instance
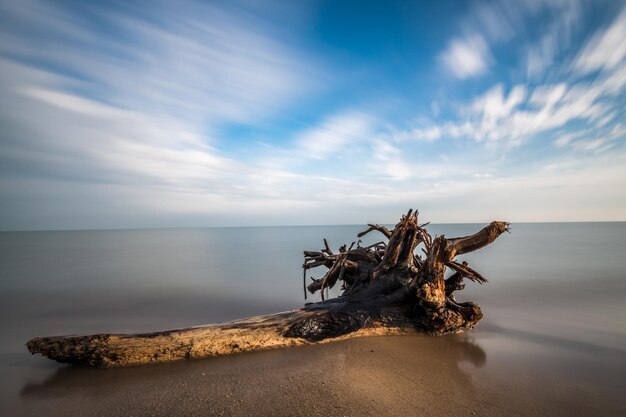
(288, 225)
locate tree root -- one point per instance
(388, 288)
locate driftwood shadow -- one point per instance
(354, 359)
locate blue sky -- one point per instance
(168, 114)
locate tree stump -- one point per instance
(388, 288)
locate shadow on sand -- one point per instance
(341, 374)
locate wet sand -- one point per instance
(399, 375)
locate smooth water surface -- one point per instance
(554, 330)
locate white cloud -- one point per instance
(333, 135)
(553, 107)
(436, 132)
(502, 20)
(131, 129)
(495, 116)
(492, 18)
(612, 83)
(467, 56)
(566, 138)
(72, 103)
(426, 134)
(100, 140)
(547, 96)
(134, 116)
(494, 106)
(493, 23)
(149, 167)
(606, 49)
(592, 141)
(204, 65)
(389, 162)
(541, 56)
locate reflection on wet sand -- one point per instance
(338, 376)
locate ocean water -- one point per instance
(554, 306)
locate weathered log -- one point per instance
(251, 334)
(387, 289)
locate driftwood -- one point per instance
(388, 288)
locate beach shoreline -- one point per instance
(551, 341)
(380, 375)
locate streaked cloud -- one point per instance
(606, 50)
(206, 64)
(520, 114)
(333, 134)
(389, 162)
(131, 115)
(467, 57)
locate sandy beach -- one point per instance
(170, 171)
(551, 341)
(399, 376)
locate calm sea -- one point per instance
(556, 297)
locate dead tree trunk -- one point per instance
(388, 288)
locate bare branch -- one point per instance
(381, 229)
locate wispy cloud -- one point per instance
(146, 111)
(467, 57)
(494, 23)
(496, 116)
(333, 135)
(134, 111)
(205, 65)
(606, 50)
(389, 162)
(494, 106)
